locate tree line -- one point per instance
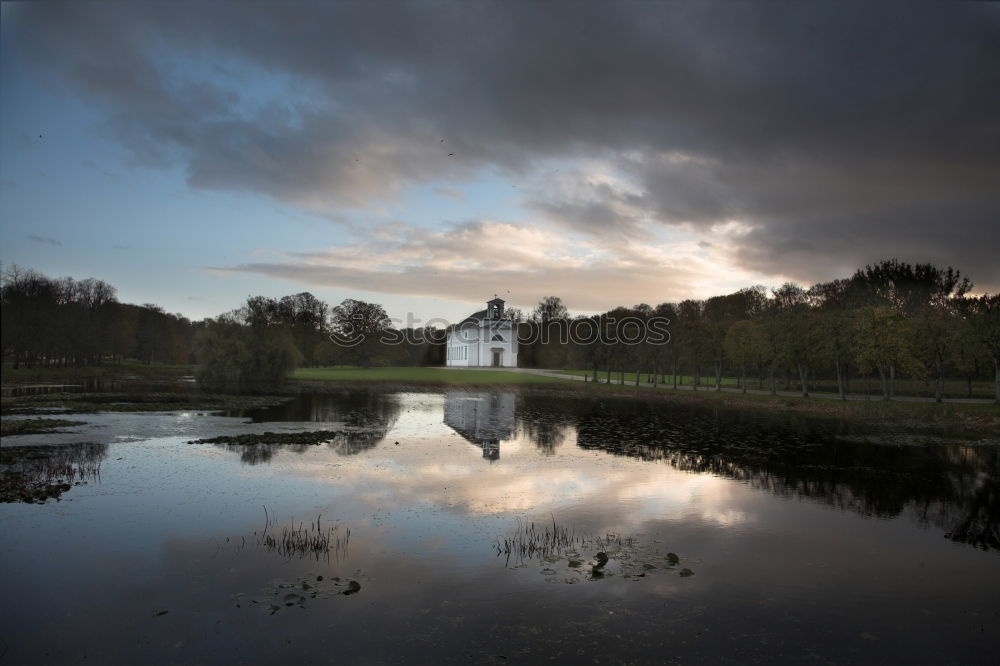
(256, 345)
(65, 322)
(889, 320)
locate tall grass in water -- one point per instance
(550, 541)
(313, 540)
(37, 474)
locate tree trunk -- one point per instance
(840, 380)
(939, 386)
(892, 380)
(996, 367)
(885, 384)
(718, 376)
(743, 377)
(637, 377)
(673, 371)
(774, 389)
(803, 373)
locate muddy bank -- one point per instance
(9, 427)
(70, 403)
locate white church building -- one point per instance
(483, 339)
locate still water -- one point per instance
(727, 538)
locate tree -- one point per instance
(884, 343)
(937, 325)
(690, 339)
(358, 327)
(835, 326)
(236, 356)
(306, 317)
(985, 320)
(967, 354)
(667, 354)
(513, 314)
(550, 308)
(743, 345)
(906, 287)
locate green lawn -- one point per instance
(421, 375)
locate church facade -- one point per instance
(484, 339)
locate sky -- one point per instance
(429, 155)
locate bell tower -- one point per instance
(494, 308)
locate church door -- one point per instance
(497, 358)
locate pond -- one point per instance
(498, 527)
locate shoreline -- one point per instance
(906, 412)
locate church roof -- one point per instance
(475, 317)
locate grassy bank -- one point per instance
(953, 388)
(973, 417)
(69, 375)
(684, 380)
(421, 376)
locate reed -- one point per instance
(313, 539)
(551, 541)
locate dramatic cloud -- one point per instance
(472, 259)
(823, 135)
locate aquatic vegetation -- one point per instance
(256, 448)
(316, 540)
(556, 547)
(279, 593)
(37, 474)
(311, 437)
(137, 401)
(10, 427)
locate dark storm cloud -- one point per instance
(839, 132)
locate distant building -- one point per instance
(483, 339)
(484, 419)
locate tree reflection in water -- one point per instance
(366, 415)
(852, 467)
(953, 486)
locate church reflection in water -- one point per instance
(484, 418)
